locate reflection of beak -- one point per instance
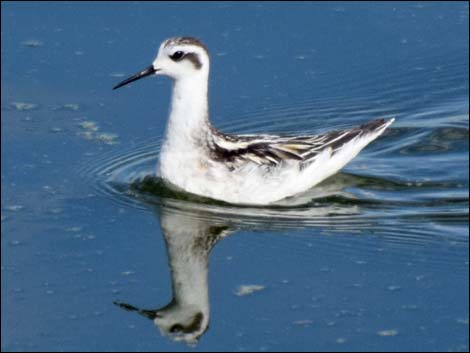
(147, 72)
(151, 314)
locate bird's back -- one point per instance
(261, 169)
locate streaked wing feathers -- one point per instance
(272, 150)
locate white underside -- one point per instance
(191, 170)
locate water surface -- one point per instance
(375, 258)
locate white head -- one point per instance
(179, 322)
(182, 323)
(178, 58)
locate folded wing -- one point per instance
(273, 150)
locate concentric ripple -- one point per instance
(393, 189)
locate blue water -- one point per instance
(373, 259)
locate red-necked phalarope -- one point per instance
(242, 169)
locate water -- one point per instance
(375, 258)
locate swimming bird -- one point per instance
(241, 169)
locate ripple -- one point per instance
(345, 203)
(433, 95)
(391, 192)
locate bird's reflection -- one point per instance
(191, 231)
(189, 240)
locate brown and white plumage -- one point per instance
(273, 150)
(243, 169)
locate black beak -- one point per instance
(147, 72)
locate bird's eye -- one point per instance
(177, 55)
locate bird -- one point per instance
(247, 169)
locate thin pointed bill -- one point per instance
(146, 72)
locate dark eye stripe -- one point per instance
(192, 57)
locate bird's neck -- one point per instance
(189, 115)
(189, 274)
(188, 247)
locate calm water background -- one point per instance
(378, 261)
